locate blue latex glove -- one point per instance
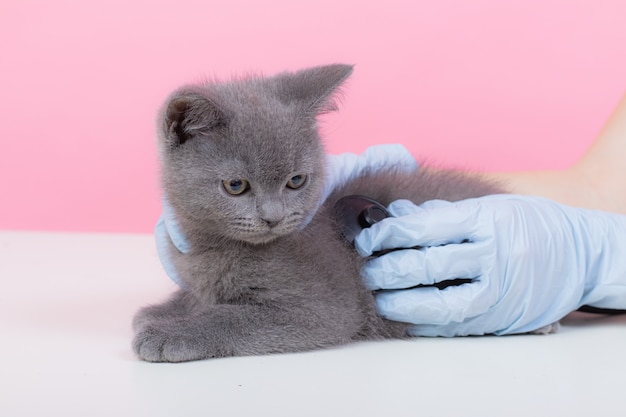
(531, 261)
(339, 169)
(166, 233)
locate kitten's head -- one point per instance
(243, 160)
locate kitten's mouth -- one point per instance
(256, 232)
(268, 235)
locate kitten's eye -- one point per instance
(296, 181)
(236, 187)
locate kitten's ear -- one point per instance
(188, 114)
(314, 87)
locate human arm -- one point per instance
(595, 181)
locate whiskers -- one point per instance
(255, 230)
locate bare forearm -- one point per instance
(596, 181)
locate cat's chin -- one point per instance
(263, 238)
(259, 239)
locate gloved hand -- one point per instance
(531, 261)
(166, 233)
(339, 169)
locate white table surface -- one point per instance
(67, 301)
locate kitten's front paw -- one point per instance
(155, 345)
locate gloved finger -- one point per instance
(164, 247)
(402, 207)
(471, 328)
(449, 224)
(172, 228)
(476, 326)
(410, 267)
(429, 305)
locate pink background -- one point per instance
(482, 84)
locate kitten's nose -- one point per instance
(272, 212)
(271, 223)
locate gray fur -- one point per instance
(257, 281)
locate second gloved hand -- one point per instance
(531, 262)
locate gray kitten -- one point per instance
(243, 167)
